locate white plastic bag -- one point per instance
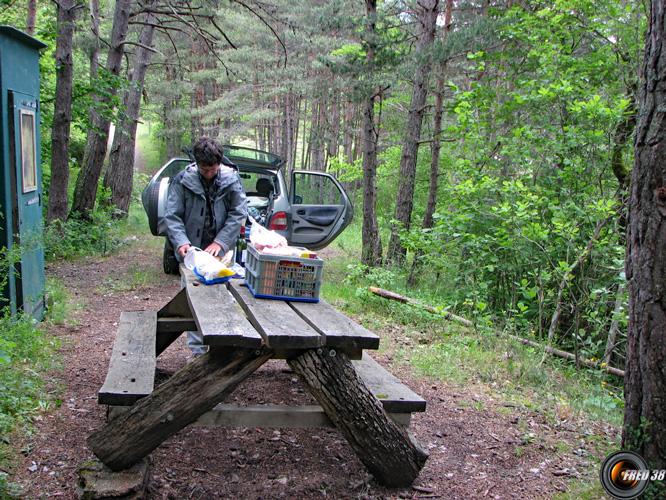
(207, 268)
(261, 238)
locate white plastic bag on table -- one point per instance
(207, 268)
(261, 238)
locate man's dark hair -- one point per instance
(207, 151)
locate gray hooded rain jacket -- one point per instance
(186, 209)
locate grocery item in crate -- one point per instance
(284, 277)
(262, 238)
(290, 251)
(207, 268)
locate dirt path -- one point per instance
(473, 440)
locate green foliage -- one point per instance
(26, 353)
(77, 237)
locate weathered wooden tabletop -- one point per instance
(228, 315)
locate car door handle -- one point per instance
(300, 212)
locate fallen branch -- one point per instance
(463, 321)
(568, 355)
(406, 300)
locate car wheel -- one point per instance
(150, 205)
(169, 261)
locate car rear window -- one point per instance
(173, 168)
(259, 184)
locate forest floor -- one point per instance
(480, 446)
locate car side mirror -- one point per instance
(298, 199)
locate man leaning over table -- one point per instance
(206, 207)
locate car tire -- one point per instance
(169, 261)
(150, 205)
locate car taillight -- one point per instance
(278, 221)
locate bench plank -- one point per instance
(265, 416)
(131, 373)
(393, 394)
(217, 315)
(339, 330)
(278, 323)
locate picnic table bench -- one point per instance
(325, 348)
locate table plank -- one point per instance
(277, 323)
(131, 373)
(393, 394)
(338, 330)
(217, 315)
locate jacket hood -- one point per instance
(190, 178)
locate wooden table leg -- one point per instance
(189, 393)
(177, 309)
(385, 448)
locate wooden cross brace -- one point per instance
(388, 451)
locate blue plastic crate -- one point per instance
(283, 278)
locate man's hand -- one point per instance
(213, 249)
(182, 250)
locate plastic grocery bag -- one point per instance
(261, 238)
(207, 268)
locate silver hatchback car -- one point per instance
(311, 212)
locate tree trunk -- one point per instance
(383, 446)
(304, 143)
(32, 15)
(333, 128)
(436, 144)
(93, 56)
(348, 133)
(120, 175)
(371, 244)
(614, 330)
(435, 148)
(93, 158)
(645, 379)
(173, 136)
(427, 16)
(62, 113)
(317, 136)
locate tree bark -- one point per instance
(614, 330)
(435, 149)
(120, 175)
(386, 449)
(32, 15)
(371, 244)
(645, 380)
(172, 406)
(348, 133)
(173, 136)
(427, 17)
(86, 184)
(62, 113)
(318, 137)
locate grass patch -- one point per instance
(27, 353)
(552, 387)
(59, 304)
(135, 278)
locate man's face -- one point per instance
(208, 172)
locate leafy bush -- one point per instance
(24, 352)
(78, 237)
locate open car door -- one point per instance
(320, 209)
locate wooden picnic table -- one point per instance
(325, 348)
